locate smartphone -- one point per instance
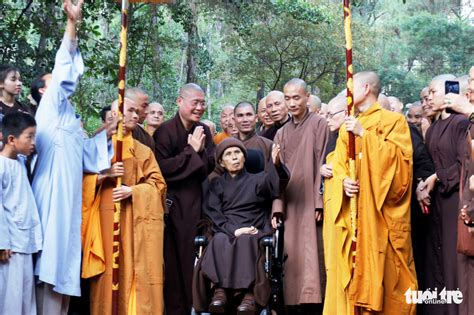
(451, 87)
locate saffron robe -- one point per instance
(63, 156)
(302, 149)
(384, 266)
(141, 237)
(218, 138)
(184, 170)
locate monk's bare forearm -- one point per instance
(71, 29)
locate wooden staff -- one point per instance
(118, 158)
(119, 147)
(350, 111)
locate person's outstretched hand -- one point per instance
(73, 11)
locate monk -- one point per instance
(415, 116)
(337, 108)
(226, 115)
(395, 104)
(278, 112)
(141, 98)
(185, 152)
(383, 101)
(425, 232)
(155, 115)
(264, 119)
(141, 227)
(302, 141)
(314, 104)
(384, 268)
(245, 121)
(211, 125)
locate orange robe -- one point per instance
(384, 268)
(218, 138)
(141, 237)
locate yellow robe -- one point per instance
(384, 268)
(218, 138)
(141, 238)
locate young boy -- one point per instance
(20, 229)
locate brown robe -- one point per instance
(184, 170)
(302, 148)
(141, 238)
(466, 263)
(144, 137)
(446, 142)
(256, 142)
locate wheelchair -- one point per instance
(271, 250)
(274, 258)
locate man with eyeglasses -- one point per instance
(335, 118)
(185, 153)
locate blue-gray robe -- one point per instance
(63, 156)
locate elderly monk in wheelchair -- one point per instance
(239, 206)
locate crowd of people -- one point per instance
(365, 242)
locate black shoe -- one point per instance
(219, 301)
(248, 306)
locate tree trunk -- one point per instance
(261, 92)
(192, 44)
(156, 54)
(45, 34)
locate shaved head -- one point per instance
(371, 79)
(227, 113)
(185, 89)
(244, 104)
(383, 101)
(336, 112)
(463, 84)
(296, 82)
(415, 115)
(314, 103)
(276, 106)
(437, 93)
(336, 104)
(275, 94)
(395, 104)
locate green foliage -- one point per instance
(239, 47)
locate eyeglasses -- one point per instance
(329, 115)
(194, 103)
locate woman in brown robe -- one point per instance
(238, 207)
(446, 142)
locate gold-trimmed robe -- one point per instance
(141, 237)
(384, 268)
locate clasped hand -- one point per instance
(196, 139)
(246, 230)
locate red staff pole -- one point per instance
(350, 111)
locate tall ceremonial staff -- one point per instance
(118, 157)
(119, 147)
(350, 111)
